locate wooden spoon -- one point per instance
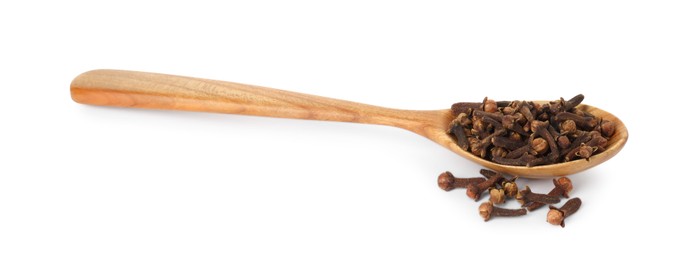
(159, 91)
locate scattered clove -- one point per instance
(523, 133)
(474, 191)
(447, 181)
(497, 196)
(487, 173)
(487, 210)
(510, 188)
(500, 188)
(527, 197)
(562, 187)
(556, 216)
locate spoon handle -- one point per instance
(159, 91)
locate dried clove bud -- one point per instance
(524, 133)
(556, 216)
(583, 151)
(607, 128)
(523, 160)
(505, 142)
(487, 173)
(474, 191)
(497, 196)
(540, 128)
(458, 131)
(500, 188)
(539, 145)
(517, 153)
(572, 103)
(447, 181)
(563, 142)
(568, 126)
(585, 122)
(510, 188)
(508, 110)
(562, 187)
(490, 105)
(527, 197)
(487, 210)
(499, 152)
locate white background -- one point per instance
(85, 182)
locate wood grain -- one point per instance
(159, 91)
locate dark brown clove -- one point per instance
(584, 122)
(526, 197)
(525, 110)
(583, 151)
(540, 128)
(523, 133)
(510, 188)
(492, 122)
(478, 128)
(458, 131)
(556, 216)
(607, 128)
(510, 122)
(495, 115)
(489, 105)
(568, 127)
(517, 153)
(523, 160)
(582, 137)
(562, 187)
(488, 210)
(474, 191)
(563, 142)
(572, 103)
(547, 159)
(553, 131)
(482, 145)
(464, 107)
(539, 145)
(487, 173)
(499, 152)
(497, 196)
(509, 110)
(505, 142)
(447, 181)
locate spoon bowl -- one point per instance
(615, 144)
(160, 91)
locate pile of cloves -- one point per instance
(501, 188)
(524, 133)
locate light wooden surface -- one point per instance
(159, 91)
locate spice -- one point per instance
(527, 197)
(523, 133)
(607, 128)
(447, 181)
(487, 173)
(474, 191)
(500, 188)
(539, 145)
(562, 187)
(487, 210)
(510, 188)
(556, 216)
(497, 195)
